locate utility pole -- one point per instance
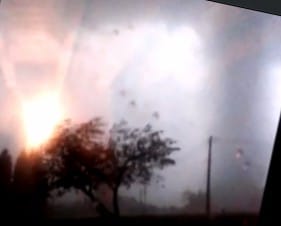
(208, 188)
(144, 199)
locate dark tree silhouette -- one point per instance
(21, 185)
(5, 181)
(78, 157)
(137, 153)
(30, 185)
(5, 171)
(40, 188)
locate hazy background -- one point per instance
(191, 68)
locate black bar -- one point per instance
(270, 208)
(266, 6)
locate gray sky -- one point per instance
(205, 68)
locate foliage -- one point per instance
(78, 157)
(138, 152)
(30, 187)
(5, 181)
(5, 169)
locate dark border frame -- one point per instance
(265, 6)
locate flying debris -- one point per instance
(116, 31)
(133, 103)
(156, 115)
(239, 153)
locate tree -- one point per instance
(5, 180)
(22, 184)
(78, 157)
(137, 153)
(30, 185)
(5, 170)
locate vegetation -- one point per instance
(79, 157)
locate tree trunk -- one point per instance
(101, 209)
(116, 209)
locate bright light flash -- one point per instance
(41, 115)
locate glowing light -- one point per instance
(40, 117)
